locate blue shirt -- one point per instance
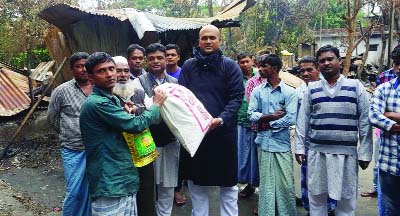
(385, 99)
(175, 73)
(265, 100)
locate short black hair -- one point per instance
(134, 47)
(272, 60)
(395, 56)
(154, 47)
(76, 57)
(173, 46)
(258, 58)
(328, 48)
(309, 59)
(97, 58)
(242, 55)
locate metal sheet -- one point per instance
(12, 99)
(40, 72)
(20, 80)
(62, 15)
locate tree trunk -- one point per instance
(194, 8)
(383, 51)
(351, 21)
(365, 56)
(349, 51)
(210, 8)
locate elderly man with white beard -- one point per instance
(125, 89)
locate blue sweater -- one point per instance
(217, 82)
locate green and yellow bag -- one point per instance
(142, 147)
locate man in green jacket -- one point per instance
(113, 180)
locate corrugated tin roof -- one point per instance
(20, 80)
(62, 15)
(18, 76)
(40, 72)
(12, 99)
(163, 24)
(12, 67)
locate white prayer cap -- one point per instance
(120, 60)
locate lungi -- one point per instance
(277, 193)
(115, 206)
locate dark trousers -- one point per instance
(390, 187)
(180, 179)
(145, 198)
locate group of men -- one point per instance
(108, 96)
(248, 140)
(333, 136)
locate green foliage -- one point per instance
(21, 29)
(275, 23)
(38, 55)
(333, 16)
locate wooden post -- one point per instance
(29, 72)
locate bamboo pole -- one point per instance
(4, 153)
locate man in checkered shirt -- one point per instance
(384, 113)
(385, 76)
(390, 74)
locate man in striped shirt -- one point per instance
(384, 113)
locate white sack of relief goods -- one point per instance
(185, 116)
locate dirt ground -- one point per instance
(32, 182)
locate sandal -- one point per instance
(246, 192)
(179, 198)
(255, 211)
